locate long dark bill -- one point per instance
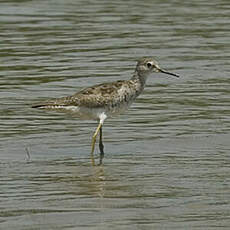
(172, 74)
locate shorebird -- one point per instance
(105, 100)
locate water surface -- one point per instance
(167, 159)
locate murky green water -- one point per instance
(167, 162)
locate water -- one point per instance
(167, 159)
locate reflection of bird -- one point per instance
(107, 99)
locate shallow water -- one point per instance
(167, 159)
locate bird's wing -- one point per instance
(93, 97)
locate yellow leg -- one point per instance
(93, 143)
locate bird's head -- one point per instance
(146, 66)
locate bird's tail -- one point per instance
(45, 104)
(37, 106)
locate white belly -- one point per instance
(87, 113)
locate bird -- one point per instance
(105, 100)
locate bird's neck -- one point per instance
(139, 81)
(141, 78)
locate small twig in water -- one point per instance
(27, 153)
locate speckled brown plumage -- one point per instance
(101, 95)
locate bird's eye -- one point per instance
(149, 65)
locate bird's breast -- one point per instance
(121, 103)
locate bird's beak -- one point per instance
(166, 72)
